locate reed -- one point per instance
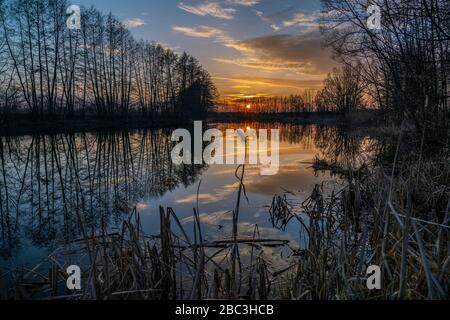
(394, 216)
(132, 265)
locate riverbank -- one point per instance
(22, 124)
(360, 117)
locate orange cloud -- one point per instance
(232, 86)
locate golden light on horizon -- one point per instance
(248, 106)
(240, 96)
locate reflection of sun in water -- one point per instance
(248, 106)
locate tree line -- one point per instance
(303, 102)
(403, 67)
(343, 91)
(46, 68)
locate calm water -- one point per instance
(49, 182)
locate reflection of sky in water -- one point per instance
(218, 191)
(218, 194)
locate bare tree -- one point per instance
(405, 65)
(343, 90)
(100, 68)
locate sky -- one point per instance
(250, 47)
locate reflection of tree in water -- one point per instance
(303, 135)
(335, 145)
(342, 148)
(51, 183)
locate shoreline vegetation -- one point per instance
(393, 216)
(22, 123)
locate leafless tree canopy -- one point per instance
(45, 68)
(405, 65)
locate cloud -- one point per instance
(238, 87)
(200, 31)
(241, 87)
(246, 3)
(267, 20)
(249, 82)
(301, 53)
(134, 22)
(218, 35)
(213, 9)
(268, 64)
(301, 19)
(286, 19)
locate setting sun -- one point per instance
(248, 106)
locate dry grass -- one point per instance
(397, 217)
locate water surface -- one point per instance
(49, 184)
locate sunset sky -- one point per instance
(250, 47)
